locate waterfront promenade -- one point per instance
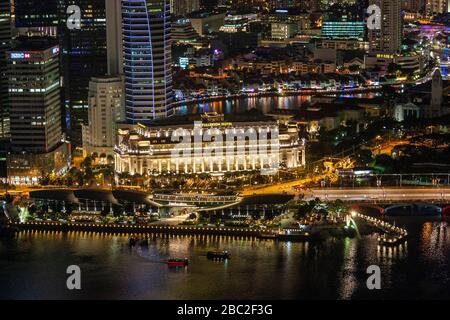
(136, 228)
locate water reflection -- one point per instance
(264, 104)
(259, 269)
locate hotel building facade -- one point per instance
(152, 150)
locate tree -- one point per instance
(338, 207)
(192, 216)
(117, 210)
(384, 163)
(106, 210)
(110, 159)
(393, 68)
(87, 162)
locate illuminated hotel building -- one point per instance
(150, 150)
(147, 56)
(105, 109)
(35, 111)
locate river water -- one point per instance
(264, 104)
(33, 265)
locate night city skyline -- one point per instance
(224, 150)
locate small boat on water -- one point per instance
(218, 255)
(175, 263)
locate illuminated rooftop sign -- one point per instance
(20, 55)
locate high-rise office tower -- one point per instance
(388, 38)
(5, 43)
(114, 36)
(274, 4)
(105, 109)
(37, 144)
(209, 4)
(147, 55)
(345, 21)
(84, 56)
(36, 17)
(183, 7)
(34, 96)
(413, 5)
(83, 51)
(433, 7)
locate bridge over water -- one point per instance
(380, 195)
(390, 201)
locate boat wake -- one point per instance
(152, 258)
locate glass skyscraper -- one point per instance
(5, 43)
(83, 57)
(147, 58)
(83, 51)
(34, 16)
(34, 95)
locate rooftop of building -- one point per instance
(289, 11)
(201, 14)
(324, 110)
(252, 115)
(360, 101)
(33, 43)
(106, 78)
(426, 87)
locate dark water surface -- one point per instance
(264, 104)
(33, 265)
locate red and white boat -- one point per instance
(174, 263)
